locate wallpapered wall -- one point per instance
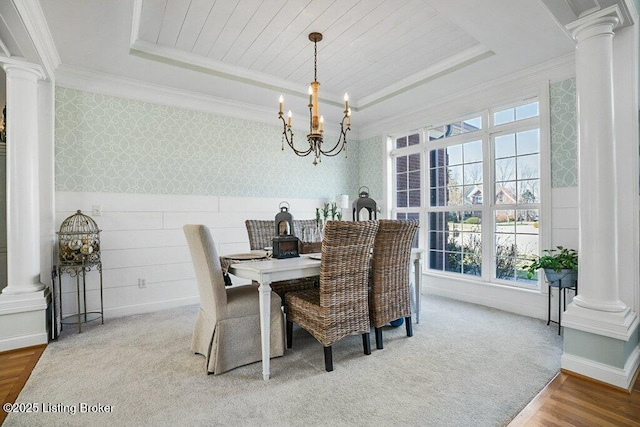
(564, 135)
(115, 145)
(370, 161)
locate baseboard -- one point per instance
(620, 378)
(532, 309)
(22, 341)
(149, 307)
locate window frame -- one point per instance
(394, 153)
(487, 135)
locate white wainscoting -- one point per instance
(142, 238)
(564, 231)
(564, 217)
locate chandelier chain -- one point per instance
(315, 61)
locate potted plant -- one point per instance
(558, 264)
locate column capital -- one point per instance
(12, 65)
(607, 20)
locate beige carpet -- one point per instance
(465, 365)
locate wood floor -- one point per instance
(15, 369)
(568, 400)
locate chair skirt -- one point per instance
(235, 341)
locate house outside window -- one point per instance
(476, 183)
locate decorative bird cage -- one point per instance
(79, 240)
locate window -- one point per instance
(516, 166)
(407, 182)
(477, 181)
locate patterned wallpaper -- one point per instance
(371, 159)
(109, 144)
(564, 135)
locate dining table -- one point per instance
(271, 270)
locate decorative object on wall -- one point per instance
(364, 202)
(78, 253)
(316, 121)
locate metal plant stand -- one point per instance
(562, 285)
(82, 316)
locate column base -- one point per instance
(619, 325)
(601, 345)
(23, 319)
(22, 289)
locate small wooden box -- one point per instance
(286, 247)
(310, 247)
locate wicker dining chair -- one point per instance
(227, 330)
(261, 233)
(299, 225)
(339, 307)
(390, 296)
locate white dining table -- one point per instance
(274, 270)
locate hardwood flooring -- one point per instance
(571, 400)
(15, 369)
(568, 400)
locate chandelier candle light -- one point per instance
(316, 121)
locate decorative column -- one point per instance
(600, 330)
(596, 160)
(23, 222)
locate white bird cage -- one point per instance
(79, 240)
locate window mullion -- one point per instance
(487, 203)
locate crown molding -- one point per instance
(36, 25)
(122, 87)
(109, 84)
(504, 89)
(135, 21)
(442, 68)
(3, 48)
(619, 12)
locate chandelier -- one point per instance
(316, 121)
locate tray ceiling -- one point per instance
(390, 56)
(368, 46)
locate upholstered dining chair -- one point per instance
(261, 233)
(390, 296)
(339, 307)
(227, 330)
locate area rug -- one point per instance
(465, 365)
